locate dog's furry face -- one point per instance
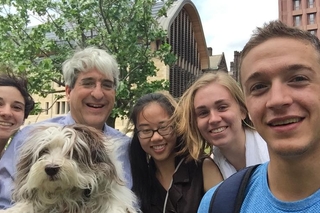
(70, 169)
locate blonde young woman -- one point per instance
(212, 113)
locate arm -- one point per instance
(211, 174)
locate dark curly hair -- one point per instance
(8, 78)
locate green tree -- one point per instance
(125, 28)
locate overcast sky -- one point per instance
(228, 25)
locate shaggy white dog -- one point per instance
(71, 169)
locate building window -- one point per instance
(310, 3)
(47, 108)
(311, 18)
(63, 107)
(297, 21)
(296, 5)
(58, 108)
(313, 32)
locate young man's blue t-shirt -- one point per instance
(260, 199)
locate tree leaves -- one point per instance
(125, 28)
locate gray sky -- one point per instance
(228, 25)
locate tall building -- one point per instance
(303, 14)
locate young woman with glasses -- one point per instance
(163, 180)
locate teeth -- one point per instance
(95, 105)
(5, 124)
(289, 121)
(218, 130)
(158, 147)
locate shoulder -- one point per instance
(229, 189)
(22, 134)
(207, 162)
(63, 119)
(259, 174)
(60, 120)
(111, 132)
(204, 163)
(211, 173)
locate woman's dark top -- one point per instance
(185, 193)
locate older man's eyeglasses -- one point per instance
(148, 133)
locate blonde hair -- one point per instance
(185, 118)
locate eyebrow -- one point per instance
(18, 102)
(15, 102)
(263, 74)
(91, 78)
(220, 101)
(142, 125)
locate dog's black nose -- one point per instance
(52, 169)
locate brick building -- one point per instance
(303, 14)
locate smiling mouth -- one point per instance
(286, 122)
(218, 130)
(158, 147)
(95, 105)
(5, 124)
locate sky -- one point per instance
(228, 24)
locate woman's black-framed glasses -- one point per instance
(148, 133)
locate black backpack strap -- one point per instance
(229, 195)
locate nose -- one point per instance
(97, 92)
(5, 111)
(156, 136)
(214, 117)
(279, 96)
(52, 169)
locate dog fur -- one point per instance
(71, 169)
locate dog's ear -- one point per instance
(94, 140)
(97, 143)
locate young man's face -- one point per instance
(91, 100)
(281, 82)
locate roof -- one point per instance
(215, 60)
(173, 12)
(218, 62)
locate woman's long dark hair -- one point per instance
(143, 169)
